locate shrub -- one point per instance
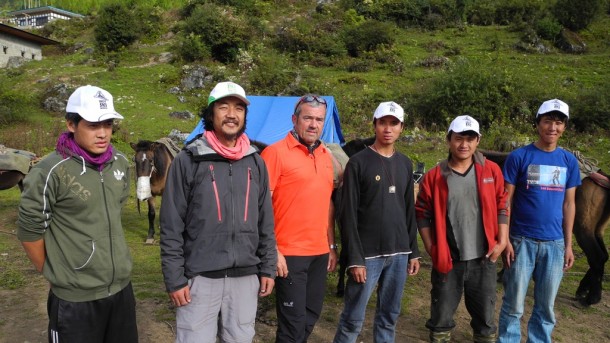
(191, 48)
(489, 95)
(577, 15)
(116, 28)
(590, 110)
(515, 11)
(548, 28)
(482, 12)
(310, 35)
(149, 19)
(368, 36)
(272, 75)
(12, 102)
(219, 29)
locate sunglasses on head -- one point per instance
(305, 99)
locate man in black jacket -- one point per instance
(378, 219)
(217, 240)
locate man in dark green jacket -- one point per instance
(70, 226)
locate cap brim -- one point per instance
(388, 115)
(553, 111)
(111, 115)
(245, 100)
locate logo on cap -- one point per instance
(467, 122)
(102, 99)
(556, 104)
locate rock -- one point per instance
(174, 90)
(177, 136)
(571, 42)
(15, 62)
(196, 77)
(166, 57)
(54, 104)
(60, 90)
(434, 62)
(182, 115)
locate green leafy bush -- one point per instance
(12, 103)
(590, 110)
(150, 23)
(219, 29)
(309, 36)
(489, 95)
(116, 28)
(577, 14)
(368, 36)
(191, 48)
(272, 74)
(548, 28)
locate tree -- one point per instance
(577, 14)
(116, 28)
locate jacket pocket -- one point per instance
(89, 258)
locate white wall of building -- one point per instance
(15, 46)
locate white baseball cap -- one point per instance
(552, 106)
(463, 124)
(225, 89)
(92, 103)
(389, 108)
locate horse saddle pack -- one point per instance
(13, 159)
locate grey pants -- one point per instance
(223, 307)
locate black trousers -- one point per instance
(112, 319)
(299, 297)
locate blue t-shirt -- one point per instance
(540, 179)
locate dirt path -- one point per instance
(23, 315)
(23, 311)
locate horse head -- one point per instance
(152, 162)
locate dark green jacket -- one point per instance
(76, 209)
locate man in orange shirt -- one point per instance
(301, 181)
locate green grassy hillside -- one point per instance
(408, 72)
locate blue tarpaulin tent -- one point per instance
(270, 119)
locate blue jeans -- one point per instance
(389, 275)
(543, 261)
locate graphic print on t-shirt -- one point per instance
(547, 178)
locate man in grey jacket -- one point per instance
(217, 235)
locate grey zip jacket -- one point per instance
(76, 209)
(216, 217)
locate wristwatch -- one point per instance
(334, 246)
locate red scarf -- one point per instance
(235, 153)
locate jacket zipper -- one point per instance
(109, 232)
(215, 192)
(233, 225)
(247, 193)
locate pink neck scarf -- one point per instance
(66, 146)
(235, 153)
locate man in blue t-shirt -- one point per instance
(541, 180)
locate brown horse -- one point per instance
(152, 165)
(592, 217)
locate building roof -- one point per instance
(36, 10)
(26, 35)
